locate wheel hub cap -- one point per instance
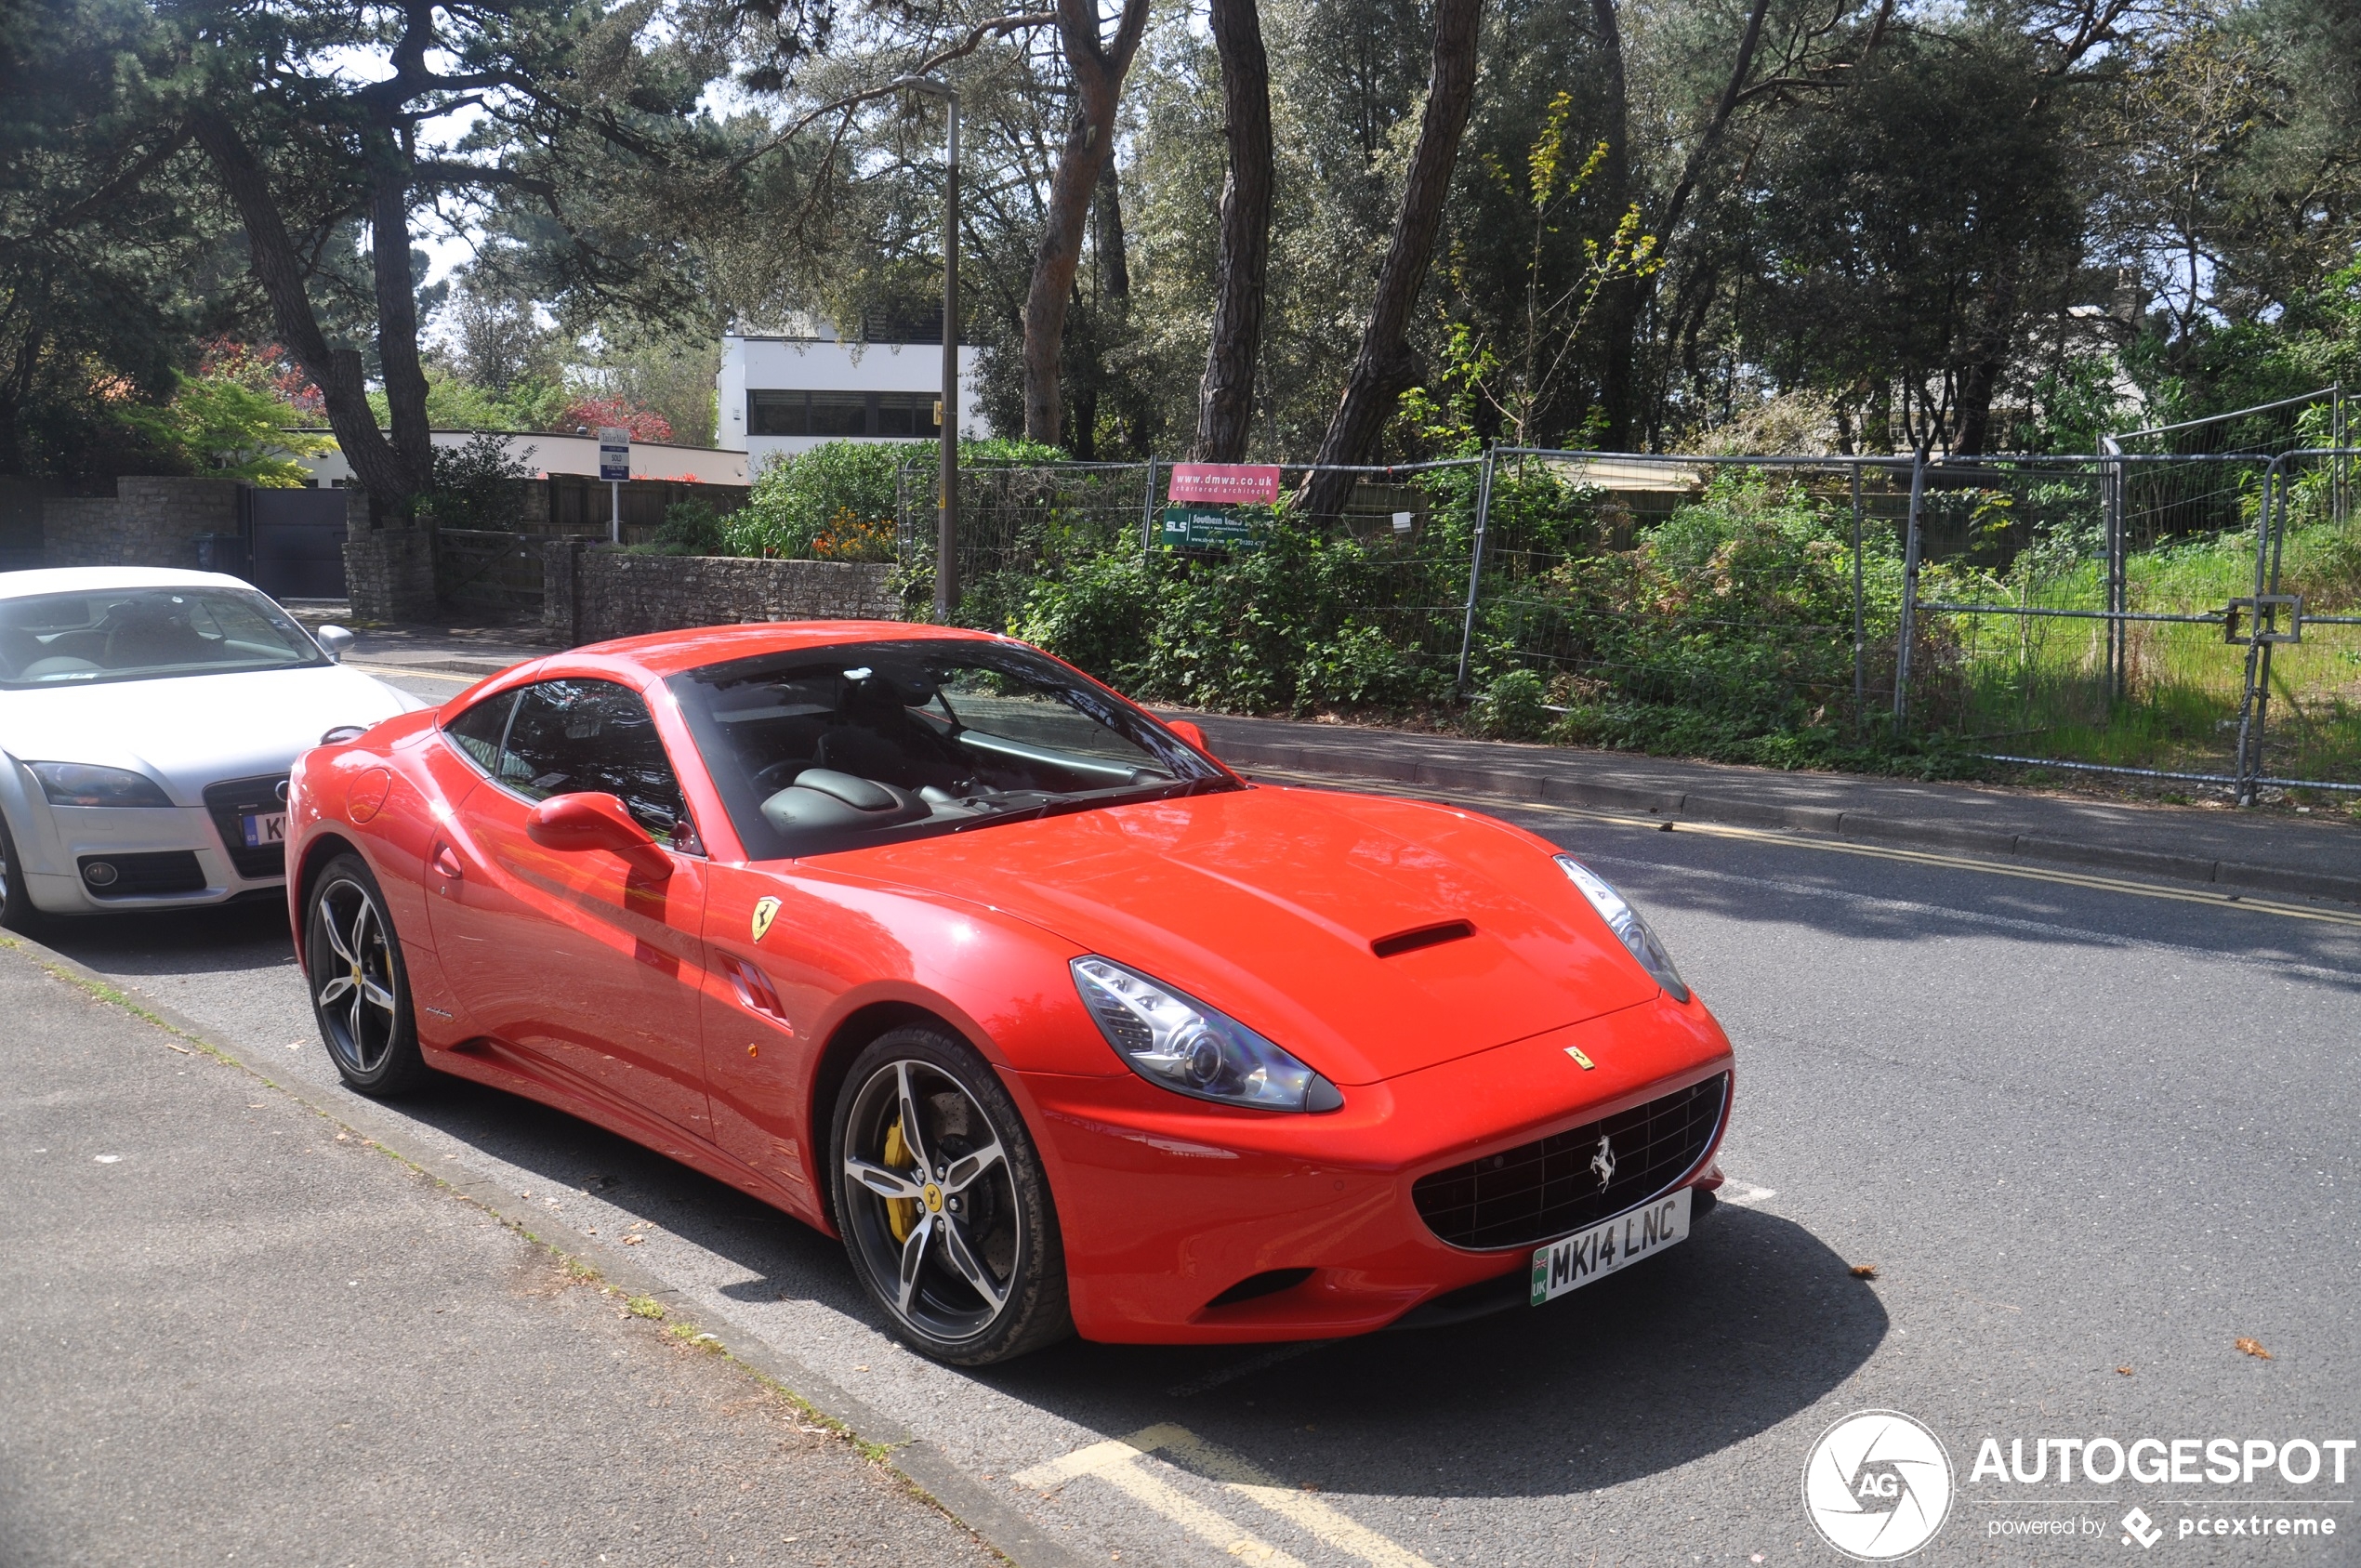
(933, 1196)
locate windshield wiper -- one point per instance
(1066, 805)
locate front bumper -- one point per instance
(59, 843)
(1166, 1205)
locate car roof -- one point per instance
(101, 579)
(672, 652)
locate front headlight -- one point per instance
(83, 784)
(1190, 1048)
(1625, 922)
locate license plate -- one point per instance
(265, 827)
(1609, 1246)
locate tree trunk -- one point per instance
(1383, 369)
(1225, 397)
(1114, 252)
(383, 472)
(1618, 307)
(405, 379)
(1097, 69)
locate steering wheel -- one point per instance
(778, 776)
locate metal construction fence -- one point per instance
(2184, 616)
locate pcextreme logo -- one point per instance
(1876, 1485)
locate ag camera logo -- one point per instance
(1878, 1485)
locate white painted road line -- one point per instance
(1114, 1461)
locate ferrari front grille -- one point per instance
(1543, 1189)
(228, 803)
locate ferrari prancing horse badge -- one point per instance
(765, 911)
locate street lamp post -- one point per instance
(946, 514)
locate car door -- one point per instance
(578, 958)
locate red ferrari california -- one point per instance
(947, 949)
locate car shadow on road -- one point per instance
(249, 933)
(1752, 1321)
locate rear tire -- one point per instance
(952, 1232)
(359, 984)
(17, 913)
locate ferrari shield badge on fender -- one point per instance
(765, 911)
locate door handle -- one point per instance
(446, 862)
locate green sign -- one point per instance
(1202, 527)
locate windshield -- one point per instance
(140, 634)
(832, 748)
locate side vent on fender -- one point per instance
(1421, 936)
(756, 993)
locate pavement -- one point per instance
(2090, 1133)
(234, 1329)
(2267, 852)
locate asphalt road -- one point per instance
(2087, 1138)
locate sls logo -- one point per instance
(1878, 1485)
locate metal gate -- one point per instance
(297, 542)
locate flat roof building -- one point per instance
(787, 394)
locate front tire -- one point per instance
(360, 987)
(942, 1203)
(17, 913)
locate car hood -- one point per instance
(192, 731)
(1266, 903)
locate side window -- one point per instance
(478, 732)
(571, 737)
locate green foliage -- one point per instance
(474, 482)
(692, 527)
(796, 500)
(217, 427)
(1515, 707)
(1309, 622)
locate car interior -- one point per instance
(136, 632)
(879, 736)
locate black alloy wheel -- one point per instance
(360, 989)
(942, 1203)
(17, 913)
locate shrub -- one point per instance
(473, 483)
(837, 490)
(1515, 707)
(692, 528)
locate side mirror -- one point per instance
(1189, 734)
(576, 822)
(335, 641)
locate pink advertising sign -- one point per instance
(1249, 482)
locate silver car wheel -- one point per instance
(353, 977)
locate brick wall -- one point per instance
(592, 594)
(388, 572)
(152, 521)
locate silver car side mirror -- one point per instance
(335, 641)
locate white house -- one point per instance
(787, 394)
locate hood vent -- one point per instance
(1421, 936)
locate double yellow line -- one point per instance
(1831, 846)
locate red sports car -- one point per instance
(947, 949)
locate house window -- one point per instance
(776, 414)
(842, 413)
(839, 414)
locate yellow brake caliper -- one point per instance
(900, 1213)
